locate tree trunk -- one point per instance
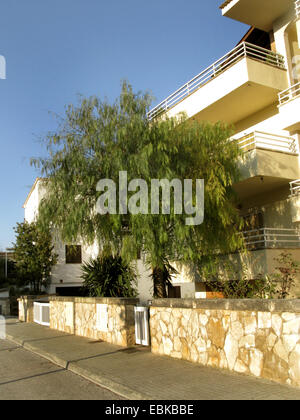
(159, 282)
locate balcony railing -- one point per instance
(297, 7)
(289, 94)
(295, 187)
(261, 140)
(271, 238)
(241, 51)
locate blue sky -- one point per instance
(57, 49)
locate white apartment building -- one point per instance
(255, 87)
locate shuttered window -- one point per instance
(73, 254)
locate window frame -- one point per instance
(76, 258)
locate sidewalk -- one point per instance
(136, 373)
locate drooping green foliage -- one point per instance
(33, 252)
(108, 276)
(96, 140)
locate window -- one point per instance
(73, 254)
(174, 292)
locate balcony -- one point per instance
(295, 188)
(242, 82)
(267, 141)
(297, 7)
(289, 104)
(264, 247)
(270, 162)
(295, 200)
(289, 94)
(260, 14)
(268, 238)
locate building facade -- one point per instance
(256, 88)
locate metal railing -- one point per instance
(295, 187)
(297, 7)
(274, 142)
(288, 94)
(271, 238)
(241, 51)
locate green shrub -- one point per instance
(108, 276)
(276, 285)
(262, 287)
(285, 277)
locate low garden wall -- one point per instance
(25, 304)
(107, 319)
(255, 337)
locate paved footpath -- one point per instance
(27, 376)
(136, 373)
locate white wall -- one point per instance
(32, 204)
(69, 275)
(145, 282)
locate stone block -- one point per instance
(167, 345)
(237, 330)
(256, 362)
(275, 368)
(216, 332)
(294, 363)
(290, 341)
(250, 324)
(281, 351)
(292, 326)
(203, 319)
(247, 341)
(264, 320)
(240, 367)
(163, 327)
(287, 316)
(277, 324)
(231, 349)
(271, 340)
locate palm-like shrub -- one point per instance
(108, 276)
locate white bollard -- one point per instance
(2, 328)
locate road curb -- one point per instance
(30, 347)
(107, 383)
(101, 380)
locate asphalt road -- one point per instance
(26, 376)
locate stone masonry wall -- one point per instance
(62, 315)
(260, 338)
(79, 316)
(26, 307)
